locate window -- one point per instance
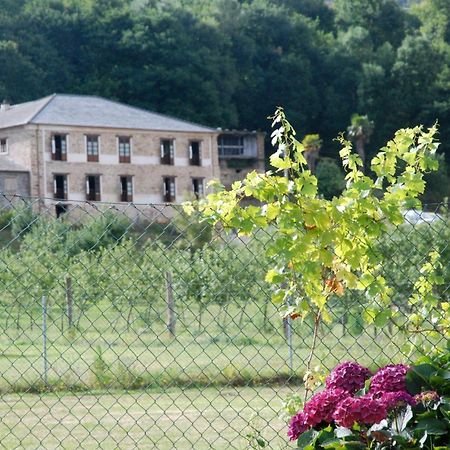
(197, 187)
(167, 152)
(60, 187)
(93, 191)
(194, 153)
(169, 189)
(231, 145)
(59, 147)
(124, 144)
(61, 208)
(3, 145)
(10, 185)
(92, 147)
(126, 186)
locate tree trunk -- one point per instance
(360, 142)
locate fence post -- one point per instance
(69, 301)
(44, 339)
(289, 343)
(170, 304)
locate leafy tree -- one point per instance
(312, 144)
(330, 178)
(359, 132)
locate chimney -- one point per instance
(5, 105)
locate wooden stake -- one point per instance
(69, 301)
(170, 304)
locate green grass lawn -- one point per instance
(182, 419)
(114, 386)
(98, 355)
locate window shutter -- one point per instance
(53, 145)
(162, 150)
(190, 151)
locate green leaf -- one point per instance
(307, 439)
(432, 426)
(418, 378)
(382, 318)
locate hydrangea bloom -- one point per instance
(391, 378)
(321, 406)
(349, 376)
(427, 397)
(392, 400)
(364, 410)
(297, 426)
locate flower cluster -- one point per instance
(349, 376)
(391, 378)
(339, 403)
(297, 426)
(322, 406)
(394, 400)
(364, 410)
(427, 397)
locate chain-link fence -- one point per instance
(135, 326)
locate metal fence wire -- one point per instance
(134, 326)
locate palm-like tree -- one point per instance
(359, 132)
(312, 144)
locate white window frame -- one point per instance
(201, 186)
(6, 146)
(191, 153)
(130, 138)
(172, 150)
(66, 136)
(66, 184)
(86, 145)
(87, 185)
(130, 178)
(174, 188)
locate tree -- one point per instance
(312, 144)
(359, 132)
(330, 178)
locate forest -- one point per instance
(230, 63)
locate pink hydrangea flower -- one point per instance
(391, 378)
(297, 426)
(321, 406)
(349, 376)
(393, 400)
(364, 410)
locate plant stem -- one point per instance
(313, 347)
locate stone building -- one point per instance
(71, 148)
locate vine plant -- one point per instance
(323, 247)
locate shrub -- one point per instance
(399, 407)
(330, 178)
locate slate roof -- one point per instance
(91, 111)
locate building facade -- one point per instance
(72, 148)
(240, 152)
